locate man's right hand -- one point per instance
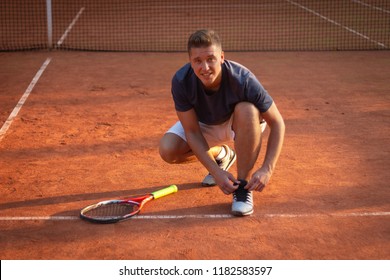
(226, 181)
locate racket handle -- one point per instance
(165, 191)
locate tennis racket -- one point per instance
(112, 211)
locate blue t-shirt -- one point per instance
(238, 84)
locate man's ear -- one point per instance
(222, 57)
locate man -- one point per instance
(216, 101)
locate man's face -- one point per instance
(207, 65)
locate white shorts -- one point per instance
(214, 134)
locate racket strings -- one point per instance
(112, 210)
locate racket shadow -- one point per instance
(204, 212)
(97, 196)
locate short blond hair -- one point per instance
(203, 38)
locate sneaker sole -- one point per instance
(208, 185)
(227, 168)
(241, 214)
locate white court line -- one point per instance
(270, 215)
(207, 216)
(371, 6)
(23, 99)
(59, 43)
(336, 23)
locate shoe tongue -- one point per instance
(241, 192)
(243, 183)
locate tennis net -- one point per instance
(164, 25)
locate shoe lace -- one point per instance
(241, 194)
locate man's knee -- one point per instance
(171, 148)
(166, 151)
(246, 111)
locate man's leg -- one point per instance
(173, 149)
(247, 143)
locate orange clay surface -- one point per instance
(90, 129)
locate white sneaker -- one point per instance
(225, 163)
(242, 201)
(263, 125)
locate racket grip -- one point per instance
(165, 191)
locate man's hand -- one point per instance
(259, 180)
(226, 181)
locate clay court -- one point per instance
(89, 131)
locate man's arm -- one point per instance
(201, 150)
(261, 177)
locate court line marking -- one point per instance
(337, 24)
(207, 216)
(23, 99)
(76, 18)
(371, 6)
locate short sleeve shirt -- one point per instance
(238, 84)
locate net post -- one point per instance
(49, 24)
